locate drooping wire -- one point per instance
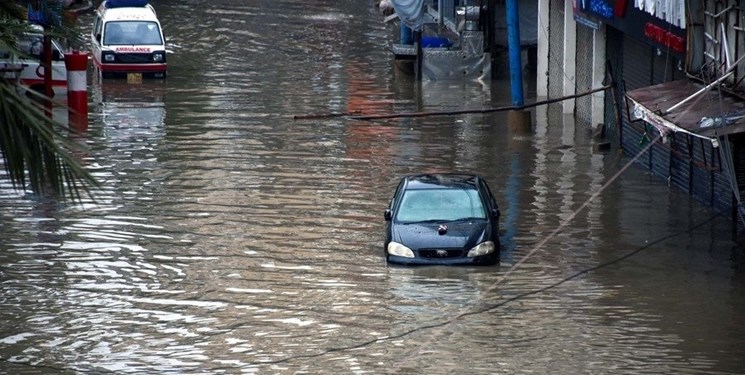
(471, 310)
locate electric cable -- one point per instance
(470, 311)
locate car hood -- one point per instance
(461, 234)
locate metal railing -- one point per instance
(443, 12)
(453, 13)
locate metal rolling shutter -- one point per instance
(739, 141)
(635, 60)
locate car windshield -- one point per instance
(440, 205)
(132, 33)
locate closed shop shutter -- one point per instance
(638, 64)
(739, 147)
(683, 147)
(685, 162)
(635, 66)
(614, 102)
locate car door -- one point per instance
(390, 212)
(492, 207)
(96, 37)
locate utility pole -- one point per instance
(47, 64)
(518, 120)
(513, 44)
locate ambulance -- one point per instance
(28, 69)
(127, 41)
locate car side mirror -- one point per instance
(495, 213)
(98, 38)
(388, 215)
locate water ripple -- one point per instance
(228, 237)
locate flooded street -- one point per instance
(230, 237)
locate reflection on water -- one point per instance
(228, 237)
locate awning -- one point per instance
(708, 115)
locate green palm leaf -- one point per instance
(36, 150)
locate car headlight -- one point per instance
(395, 248)
(159, 56)
(481, 249)
(109, 57)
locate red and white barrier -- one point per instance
(77, 88)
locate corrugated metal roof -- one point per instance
(725, 110)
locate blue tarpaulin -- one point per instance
(435, 42)
(410, 12)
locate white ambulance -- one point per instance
(127, 40)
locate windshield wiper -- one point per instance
(432, 221)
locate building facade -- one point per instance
(676, 96)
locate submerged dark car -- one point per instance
(443, 218)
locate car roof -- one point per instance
(145, 13)
(441, 180)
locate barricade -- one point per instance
(77, 89)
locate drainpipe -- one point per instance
(513, 42)
(517, 120)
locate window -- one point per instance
(97, 28)
(440, 204)
(136, 33)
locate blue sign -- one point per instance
(45, 12)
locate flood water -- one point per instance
(230, 237)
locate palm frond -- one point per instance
(37, 152)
